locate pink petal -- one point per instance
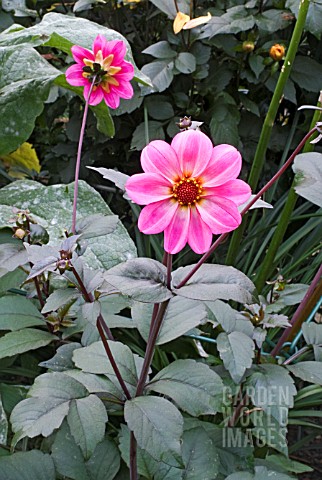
(225, 164)
(145, 188)
(117, 48)
(235, 190)
(220, 214)
(112, 99)
(154, 218)
(199, 234)
(127, 68)
(159, 157)
(99, 43)
(79, 53)
(74, 76)
(194, 150)
(96, 95)
(124, 90)
(176, 233)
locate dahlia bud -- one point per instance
(20, 233)
(248, 46)
(184, 123)
(277, 52)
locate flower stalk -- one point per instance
(266, 132)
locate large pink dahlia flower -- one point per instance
(190, 190)
(106, 62)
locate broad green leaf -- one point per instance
(22, 90)
(176, 322)
(212, 282)
(308, 176)
(11, 280)
(17, 312)
(230, 319)
(19, 342)
(62, 360)
(272, 388)
(308, 371)
(236, 351)
(272, 20)
(159, 108)
(291, 295)
(86, 419)
(50, 400)
(105, 461)
(141, 279)
(224, 122)
(146, 464)
(312, 333)
(160, 50)
(139, 139)
(12, 255)
(284, 464)
(93, 359)
(268, 431)
(261, 473)
(170, 9)
(157, 426)
(185, 62)
(59, 298)
(96, 383)
(33, 465)
(302, 65)
(67, 456)
(193, 386)
(160, 73)
(235, 20)
(200, 455)
(62, 32)
(52, 207)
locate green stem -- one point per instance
(268, 262)
(260, 154)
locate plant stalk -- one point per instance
(264, 138)
(79, 154)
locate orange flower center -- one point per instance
(187, 191)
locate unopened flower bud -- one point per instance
(277, 52)
(184, 123)
(20, 233)
(248, 46)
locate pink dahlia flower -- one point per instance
(106, 62)
(190, 190)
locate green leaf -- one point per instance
(33, 465)
(62, 360)
(193, 386)
(105, 461)
(272, 389)
(176, 322)
(52, 206)
(157, 426)
(12, 255)
(86, 419)
(3, 425)
(200, 455)
(147, 465)
(308, 176)
(60, 297)
(291, 295)
(22, 90)
(284, 464)
(230, 319)
(95, 383)
(312, 333)
(160, 73)
(261, 473)
(170, 9)
(93, 359)
(19, 342)
(185, 62)
(308, 371)
(160, 50)
(62, 32)
(67, 456)
(236, 351)
(159, 108)
(224, 122)
(141, 279)
(299, 74)
(156, 132)
(46, 409)
(17, 312)
(212, 282)
(235, 20)
(272, 20)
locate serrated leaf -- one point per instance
(105, 461)
(93, 359)
(157, 426)
(33, 465)
(17, 312)
(236, 351)
(308, 176)
(62, 360)
(59, 298)
(175, 322)
(308, 371)
(53, 205)
(200, 455)
(193, 386)
(212, 282)
(141, 279)
(86, 419)
(19, 342)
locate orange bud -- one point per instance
(277, 52)
(20, 233)
(180, 20)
